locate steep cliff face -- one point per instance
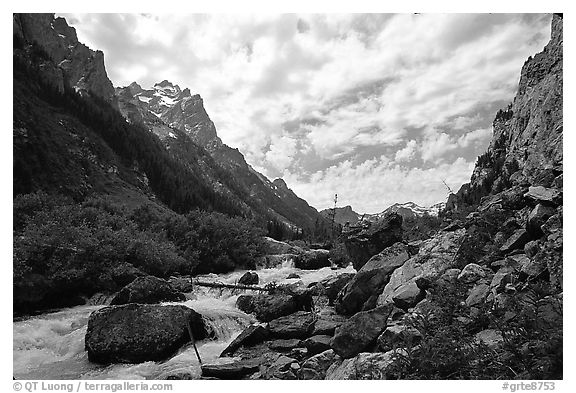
(76, 65)
(526, 147)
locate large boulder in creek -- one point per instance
(435, 257)
(297, 325)
(364, 242)
(249, 278)
(360, 332)
(312, 260)
(269, 306)
(135, 333)
(371, 279)
(148, 290)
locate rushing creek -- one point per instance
(51, 345)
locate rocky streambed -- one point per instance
(53, 346)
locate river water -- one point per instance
(51, 345)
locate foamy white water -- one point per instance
(51, 345)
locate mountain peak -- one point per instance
(164, 83)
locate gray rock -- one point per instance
(371, 279)
(234, 370)
(327, 324)
(252, 335)
(517, 240)
(313, 259)
(135, 333)
(365, 366)
(297, 325)
(398, 334)
(284, 345)
(360, 332)
(269, 306)
(249, 278)
(436, 255)
(333, 285)
(490, 337)
(364, 242)
(474, 272)
(477, 294)
(148, 290)
(408, 295)
(317, 344)
(545, 195)
(317, 366)
(537, 217)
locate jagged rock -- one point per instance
(477, 294)
(408, 295)
(490, 337)
(252, 335)
(474, 272)
(327, 324)
(371, 366)
(316, 367)
(135, 333)
(333, 285)
(435, 257)
(284, 345)
(313, 259)
(398, 334)
(297, 325)
(249, 278)
(362, 243)
(552, 225)
(317, 344)
(370, 279)
(502, 277)
(538, 216)
(517, 240)
(234, 370)
(282, 368)
(545, 195)
(148, 290)
(360, 331)
(531, 248)
(517, 261)
(269, 306)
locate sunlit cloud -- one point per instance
(319, 97)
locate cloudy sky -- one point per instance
(378, 108)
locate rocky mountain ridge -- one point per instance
(407, 210)
(526, 147)
(74, 64)
(175, 116)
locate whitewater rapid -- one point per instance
(51, 345)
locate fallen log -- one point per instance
(217, 284)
